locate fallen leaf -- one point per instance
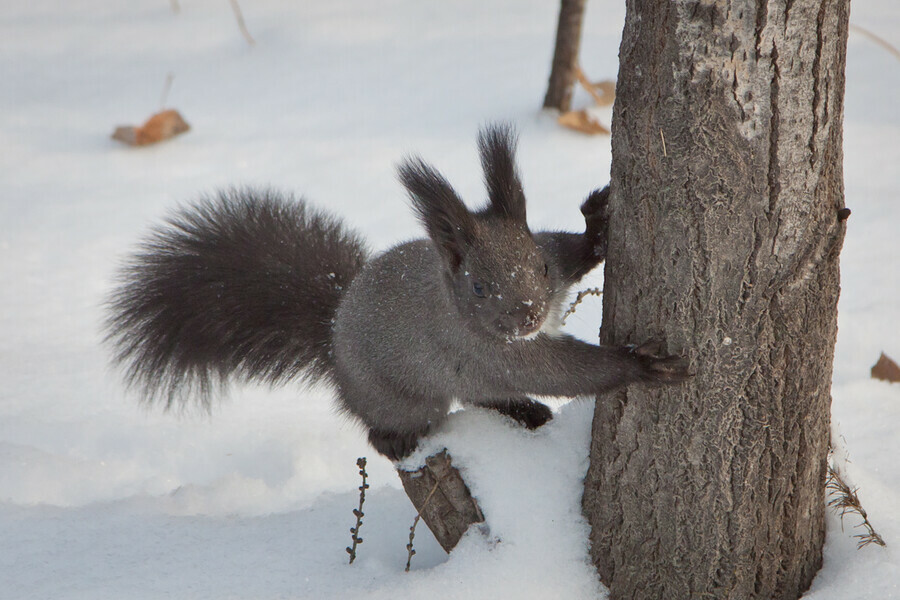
(886, 369)
(159, 127)
(603, 92)
(580, 120)
(607, 90)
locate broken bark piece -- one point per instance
(159, 127)
(443, 500)
(886, 369)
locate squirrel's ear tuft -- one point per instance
(497, 146)
(447, 220)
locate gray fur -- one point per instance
(464, 314)
(244, 283)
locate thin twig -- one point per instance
(845, 500)
(878, 40)
(661, 137)
(240, 21)
(166, 87)
(412, 530)
(578, 298)
(361, 463)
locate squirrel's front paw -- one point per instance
(661, 368)
(596, 219)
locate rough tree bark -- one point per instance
(565, 56)
(725, 230)
(443, 499)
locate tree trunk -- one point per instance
(724, 239)
(565, 56)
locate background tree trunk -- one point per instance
(565, 56)
(724, 241)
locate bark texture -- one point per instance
(438, 492)
(724, 241)
(565, 56)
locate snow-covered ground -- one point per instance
(100, 499)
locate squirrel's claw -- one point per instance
(659, 367)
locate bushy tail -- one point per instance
(246, 283)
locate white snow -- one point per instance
(101, 499)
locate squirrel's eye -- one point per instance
(478, 289)
(546, 269)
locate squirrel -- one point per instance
(260, 286)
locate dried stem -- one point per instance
(240, 21)
(844, 499)
(412, 530)
(351, 550)
(450, 509)
(167, 86)
(578, 299)
(877, 39)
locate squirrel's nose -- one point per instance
(529, 322)
(523, 321)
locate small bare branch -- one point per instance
(845, 500)
(358, 512)
(578, 299)
(877, 39)
(167, 86)
(412, 530)
(240, 21)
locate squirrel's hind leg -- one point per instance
(396, 445)
(395, 421)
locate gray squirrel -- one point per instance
(260, 286)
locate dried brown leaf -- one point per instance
(607, 89)
(580, 120)
(159, 127)
(603, 92)
(886, 369)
